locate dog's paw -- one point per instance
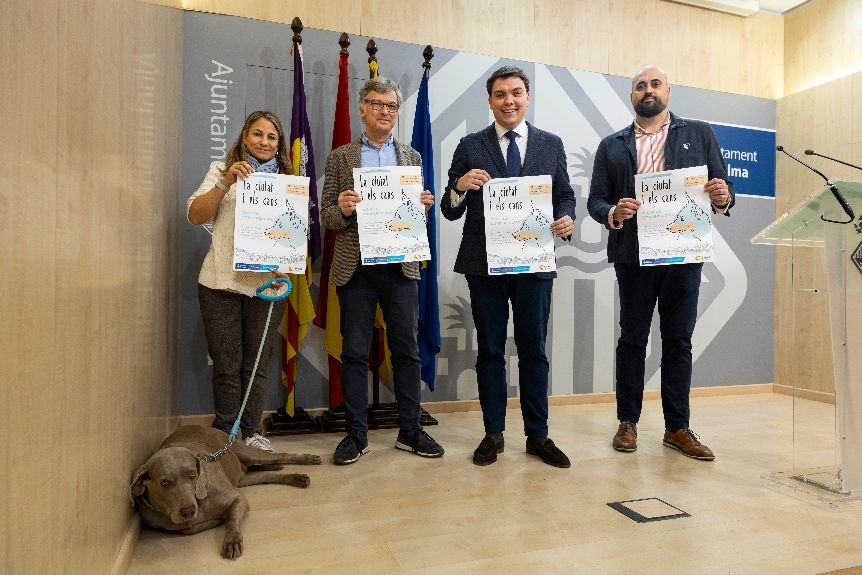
(231, 547)
(301, 480)
(312, 459)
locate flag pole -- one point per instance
(373, 68)
(426, 286)
(299, 311)
(328, 306)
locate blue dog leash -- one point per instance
(271, 299)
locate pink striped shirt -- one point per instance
(650, 147)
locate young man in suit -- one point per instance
(361, 288)
(509, 147)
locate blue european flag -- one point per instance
(429, 308)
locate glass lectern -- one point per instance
(829, 255)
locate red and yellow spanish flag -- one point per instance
(328, 310)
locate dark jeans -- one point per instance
(531, 306)
(233, 325)
(676, 289)
(398, 297)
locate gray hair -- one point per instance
(380, 85)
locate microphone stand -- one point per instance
(813, 153)
(832, 188)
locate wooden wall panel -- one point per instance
(428, 22)
(88, 203)
(856, 124)
(743, 55)
(826, 119)
(560, 37)
(335, 15)
(822, 42)
(29, 209)
(725, 50)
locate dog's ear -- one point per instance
(201, 483)
(136, 487)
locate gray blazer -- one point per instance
(338, 177)
(545, 155)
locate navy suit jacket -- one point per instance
(481, 150)
(689, 143)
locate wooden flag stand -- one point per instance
(301, 423)
(380, 415)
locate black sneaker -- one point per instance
(419, 443)
(545, 449)
(349, 450)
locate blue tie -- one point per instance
(513, 156)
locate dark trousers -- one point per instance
(398, 297)
(675, 288)
(233, 325)
(531, 306)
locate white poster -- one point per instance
(391, 217)
(271, 230)
(675, 217)
(518, 216)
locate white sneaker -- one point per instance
(259, 442)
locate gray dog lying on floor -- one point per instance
(177, 490)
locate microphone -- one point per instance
(832, 188)
(813, 153)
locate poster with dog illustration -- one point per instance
(675, 217)
(271, 230)
(391, 217)
(518, 216)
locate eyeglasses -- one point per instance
(378, 106)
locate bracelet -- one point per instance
(717, 207)
(221, 186)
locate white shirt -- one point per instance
(503, 140)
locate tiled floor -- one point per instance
(393, 512)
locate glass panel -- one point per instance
(801, 225)
(815, 457)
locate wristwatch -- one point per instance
(455, 189)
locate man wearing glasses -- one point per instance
(361, 288)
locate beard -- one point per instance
(650, 109)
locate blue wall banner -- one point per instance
(750, 157)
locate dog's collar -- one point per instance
(144, 500)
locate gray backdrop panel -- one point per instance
(582, 107)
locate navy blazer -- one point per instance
(481, 150)
(689, 143)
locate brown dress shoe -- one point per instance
(687, 443)
(626, 438)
